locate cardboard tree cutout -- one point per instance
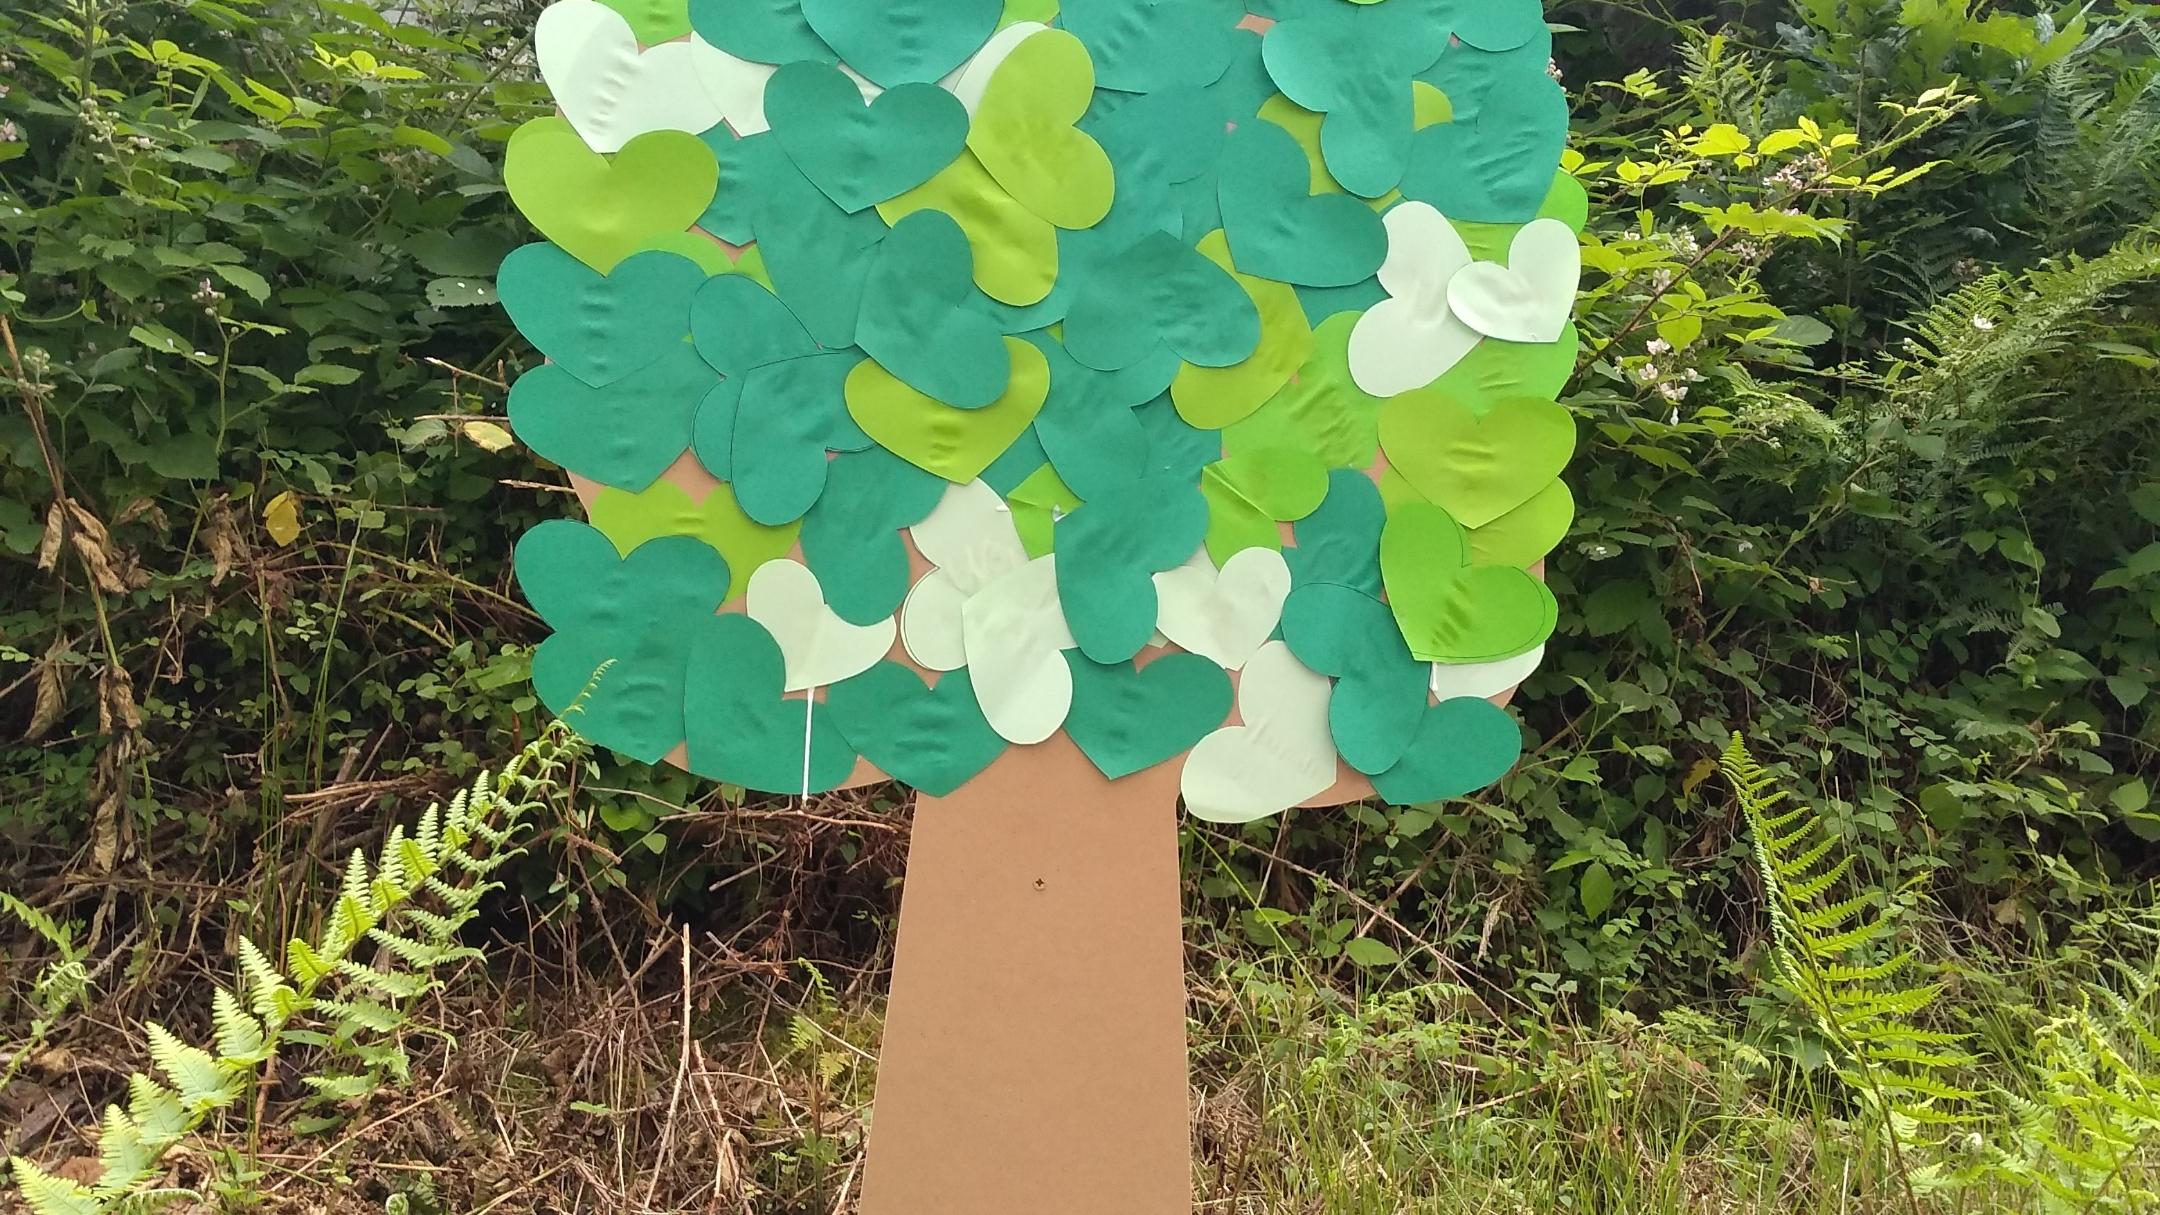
(1060, 419)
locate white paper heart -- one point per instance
(821, 649)
(1281, 757)
(968, 81)
(1530, 298)
(1016, 639)
(610, 91)
(1225, 615)
(737, 86)
(931, 624)
(970, 536)
(1410, 339)
(1485, 680)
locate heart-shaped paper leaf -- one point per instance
(917, 322)
(1160, 293)
(601, 328)
(1108, 554)
(790, 414)
(1223, 615)
(1024, 134)
(1213, 398)
(1479, 468)
(1278, 229)
(933, 740)
(1496, 167)
(624, 434)
(608, 88)
(1249, 494)
(764, 31)
(956, 444)
(601, 209)
(1282, 755)
(900, 42)
(1015, 250)
(633, 616)
(861, 155)
(630, 521)
(740, 729)
(1127, 720)
(820, 648)
(1379, 687)
(1340, 542)
(1449, 610)
(851, 538)
(1462, 745)
(1529, 299)
(1147, 46)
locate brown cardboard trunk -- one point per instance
(1035, 1057)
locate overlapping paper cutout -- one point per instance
(951, 373)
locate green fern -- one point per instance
(64, 982)
(343, 992)
(1829, 957)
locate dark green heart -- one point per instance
(601, 328)
(1127, 720)
(625, 434)
(740, 730)
(1380, 690)
(930, 739)
(899, 42)
(1109, 552)
(861, 155)
(1462, 745)
(632, 616)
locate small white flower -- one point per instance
(1984, 323)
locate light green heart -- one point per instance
(601, 210)
(1478, 467)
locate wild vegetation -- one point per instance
(1870, 415)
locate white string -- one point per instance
(809, 710)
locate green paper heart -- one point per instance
(762, 31)
(1215, 397)
(916, 319)
(956, 444)
(1109, 552)
(1015, 250)
(600, 328)
(1494, 167)
(624, 434)
(740, 326)
(1340, 542)
(1462, 745)
(788, 418)
(1322, 411)
(1087, 426)
(1529, 533)
(1380, 689)
(654, 21)
(1147, 46)
(1250, 494)
(1495, 371)
(901, 42)
(1449, 610)
(1161, 293)
(851, 539)
(740, 729)
(1279, 230)
(632, 616)
(1024, 134)
(1478, 467)
(1127, 720)
(601, 210)
(630, 521)
(933, 740)
(817, 254)
(861, 155)
(1355, 66)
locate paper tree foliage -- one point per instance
(1172, 375)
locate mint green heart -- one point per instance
(1450, 610)
(1478, 467)
(1127, 720)
(861, 155)
(933, 740)
(739, 728)
(602, 210)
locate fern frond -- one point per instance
(49, 1195)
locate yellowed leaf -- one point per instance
(281, 518)
(487, 435)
